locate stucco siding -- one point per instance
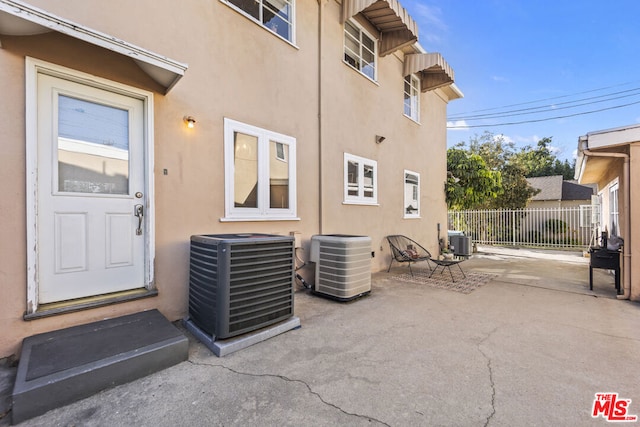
(237, 70)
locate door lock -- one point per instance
(138, 211)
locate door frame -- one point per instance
(33, 67)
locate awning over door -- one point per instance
(396, 26)
(433, 70)
(21, 19)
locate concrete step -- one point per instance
(61, 367)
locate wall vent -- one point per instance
(343, 265)
(240, 282)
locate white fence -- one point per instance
(569, 227)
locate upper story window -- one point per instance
(260, 173)
(361, 180)
(411, 194)
(275, 15)
(412, 97)
(360, 49)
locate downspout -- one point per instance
(626, 234)
(321, 4)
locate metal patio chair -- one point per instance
(404, 249)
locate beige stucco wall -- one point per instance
(354, 111)
(237, 70)
(634, 206)
(608, 176)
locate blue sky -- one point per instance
(558, 53)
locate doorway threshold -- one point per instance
(88, 303)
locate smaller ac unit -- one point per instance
(461, 245)
(343, 265)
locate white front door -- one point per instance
(90, 190)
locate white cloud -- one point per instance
(503, 137)
(457, 125)
(532, 140)
(431, 24)
(499, 79)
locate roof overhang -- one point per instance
(434, 71)
(397, 28)
(590, 169)
(21, 19)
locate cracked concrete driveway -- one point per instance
(531, 347)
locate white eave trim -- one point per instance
(18, 18)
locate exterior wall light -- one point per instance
(190, 121)
(379, 139)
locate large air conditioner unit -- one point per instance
(240, 282)
(343, 265)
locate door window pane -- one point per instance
(93, 147)
(245, 177)
(278, 175)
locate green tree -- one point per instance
(508, 166)
(501, 155)
(541, 161)
(470, 182)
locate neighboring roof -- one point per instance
(19, 19)
(550, 187)
(555, 188)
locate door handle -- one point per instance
(138, 211)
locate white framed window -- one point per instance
(260, 173)
(614, 213)
(360, 49)
(411, 194)
(276, 16)
(360, 180)
(412, 97)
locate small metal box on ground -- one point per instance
(343, 266)
(461, 243)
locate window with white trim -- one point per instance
(260, 173)
(275, 15)
(412, 97)
(614, 213)
(360, 180)
(411, 194)
(360, 49)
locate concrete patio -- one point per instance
(530, 347)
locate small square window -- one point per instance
(361, 180)
(275, 15)
(360, 49)
(260, 173)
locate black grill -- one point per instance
(605, 259)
